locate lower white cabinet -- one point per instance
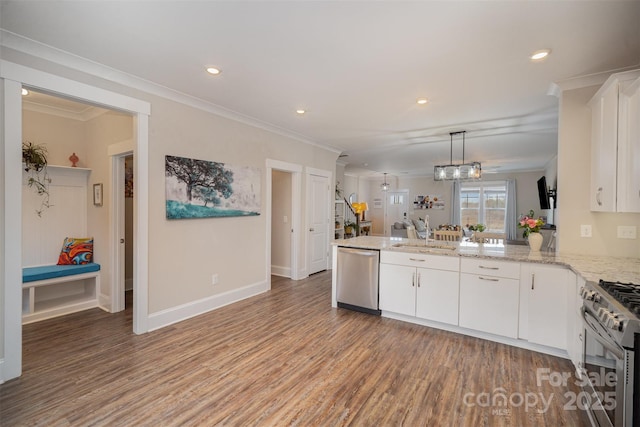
(545, 304)
(489, 296)
(430, 292)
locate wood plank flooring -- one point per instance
(281, 358)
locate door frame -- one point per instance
(296, 215)
(118, 152)
(14, 77)
(326, 174)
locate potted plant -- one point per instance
(34, 158)
(531, 232)
(348, 226)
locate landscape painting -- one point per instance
(204, 189)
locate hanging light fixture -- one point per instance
(463, 171)
(385, 185)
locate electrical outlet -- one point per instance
(627, 232)
(214, 279)
(585, 230)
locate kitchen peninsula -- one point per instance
(503, 293)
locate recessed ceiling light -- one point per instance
(422, 101)
(540, 54)
(301, 111)
(213, 70)
(25, 92)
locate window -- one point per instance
(484, 203)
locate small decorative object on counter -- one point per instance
(74, 160)
(531, 232)
(535, 242)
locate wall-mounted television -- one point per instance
(543, 193)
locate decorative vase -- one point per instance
(74, 160)
(535, 242)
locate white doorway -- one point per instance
(295, 221)
(122, 233)
(397, 206)
(14, 77)
(281, 218)
(318, 214)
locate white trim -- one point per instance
(12, 119)
(104, 302)
(279, 270)
(329, 231)
(195, 308)
(40, 50)
(59, 85)
(296, 214)
(479, 334)
(116, 228)
(141, 225)
(12, 230)
(579, 82)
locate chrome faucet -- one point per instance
(426, 225)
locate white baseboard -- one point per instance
(479, 334)
(278, 270)
(104, 302)
(1, 371)
(186, 311)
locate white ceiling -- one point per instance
(358, 67)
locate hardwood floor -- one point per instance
(281, 358)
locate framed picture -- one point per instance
(216, 190)
(97, 194)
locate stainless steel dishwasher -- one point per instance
(357, 279)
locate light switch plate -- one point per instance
(585, 230)
(627, 232)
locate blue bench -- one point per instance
(34, 309)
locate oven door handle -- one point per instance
(606, 341)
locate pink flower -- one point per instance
(532, 223)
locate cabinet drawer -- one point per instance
(489, 267)
(449, 263)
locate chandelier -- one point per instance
(385, 185)
(463, 171)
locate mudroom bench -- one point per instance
(55, 290)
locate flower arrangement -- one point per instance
(530, 224)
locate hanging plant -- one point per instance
(34, 157)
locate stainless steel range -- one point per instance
(611, 363)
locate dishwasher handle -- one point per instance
(363, 252)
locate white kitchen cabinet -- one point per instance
(611, 125)
(489, 296)
(628, 187)
(419, 285)
(545, 294)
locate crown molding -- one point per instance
(40, 50)
(595, 79)
(84, 116)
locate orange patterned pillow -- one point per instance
(76, 251)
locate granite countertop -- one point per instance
(590, 267)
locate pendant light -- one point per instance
(463, 171)
(385, 185)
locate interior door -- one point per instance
(318, 223)
(397, 207)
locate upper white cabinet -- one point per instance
(629, 149)
(613, 150)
